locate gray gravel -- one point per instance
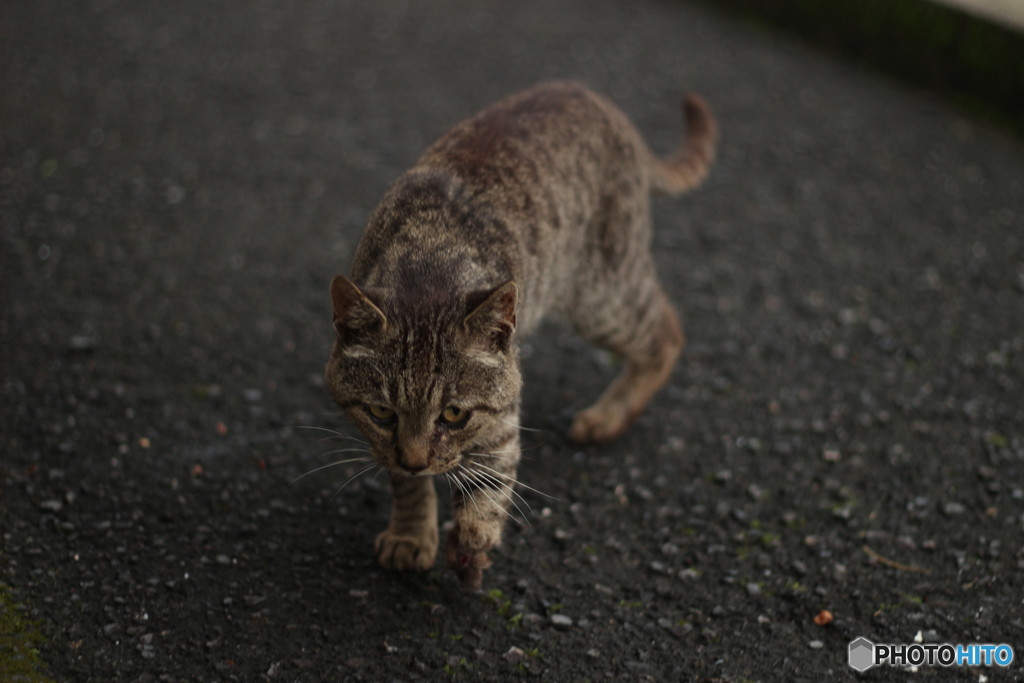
(179, 182)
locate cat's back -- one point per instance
(513, 192)
(559, 130)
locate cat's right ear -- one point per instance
(494, 318)
(354, 313)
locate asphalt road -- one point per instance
(180, 181)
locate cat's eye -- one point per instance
(382, 415)
(453, 416)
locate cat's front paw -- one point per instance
(469, 564)
(403, 551)
(468, 543)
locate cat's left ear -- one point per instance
(495, 318)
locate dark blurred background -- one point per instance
(971, 51)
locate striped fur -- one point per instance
(538, 204)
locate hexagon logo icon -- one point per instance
(862, 654)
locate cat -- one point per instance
(539, 204)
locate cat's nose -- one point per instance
(413, 456)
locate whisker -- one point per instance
(520, 427)
(520, 449)
(538, 445)
(322, 429)
(465, 491)
(506, 450)
(512, 490)
(516, 481)
(336, 434)
(359, 473)
(484, 478)
(323, 467)
(479, 479)
(469, 491)
(470, 477)
(347, 450)
(339, 437)
(501, 507)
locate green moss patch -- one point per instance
(19, 643)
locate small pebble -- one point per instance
(688, 574)
(82, 342)
(560, 621)
(953, 509)
(816, 644)
(843, 512)
(515, 655)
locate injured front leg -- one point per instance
(482, 498)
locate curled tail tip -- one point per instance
(700, 122)
(694, 104)
(689, 165)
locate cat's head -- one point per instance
(424, 377)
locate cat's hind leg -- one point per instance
(644, 329)
(411, 539)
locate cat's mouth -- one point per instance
(434, 469)
(413, 474)
(426, 470)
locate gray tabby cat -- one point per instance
(538, 204)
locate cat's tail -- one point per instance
(689, 165)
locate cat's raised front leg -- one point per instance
(482, 497)
(411, 539)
